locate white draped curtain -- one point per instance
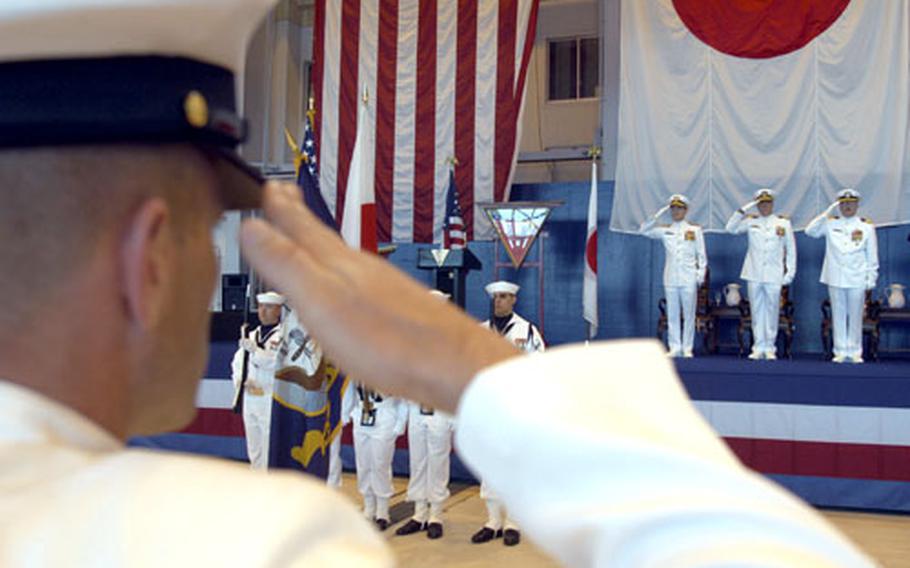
(830, 115)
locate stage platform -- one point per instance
(836, 435)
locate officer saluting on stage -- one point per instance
(850, 268)
(684, 269)
(770, 264)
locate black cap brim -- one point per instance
(239, 184)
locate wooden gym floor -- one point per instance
(884, 537)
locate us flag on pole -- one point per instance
(445, 78)
(453, 230)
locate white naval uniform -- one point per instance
(849, 269)
(524, 335)
(374, 447)
(429, 450)
(257, 398)
(770, 264)
(685, 267)
(643, 481)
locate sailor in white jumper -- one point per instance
(770, 264)
(685, 267)
(378, 421)
(260, 351)
(850, 268)
(524, 335)
(429, 451)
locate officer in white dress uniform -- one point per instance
(259, 350)
(643, 480)
(850, 268)
(526, 337)
(378, 421)
(685, 267)
(770, 264)
(429, 451)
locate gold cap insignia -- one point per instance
(196, 109)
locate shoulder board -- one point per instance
(751, 216)
(664, 225)
(784, 217)
(695, 225)
(833, 217)
(866, 220)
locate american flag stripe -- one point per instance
(446, 41)
(425, 128)
(387, 53)
(405, 96)
(348, 96)
(465, 103)
(445, 78)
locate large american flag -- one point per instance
(445, 79)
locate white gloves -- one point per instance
(747, 206)
(832, 207)
(247, 344)
(661, 211)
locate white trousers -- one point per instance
(847, 305)
(335, 465)
(373, 456)
(430, 445)
(497, 516)
(257, 417)
(764, 301)
(680, 303)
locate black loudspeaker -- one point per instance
(233, 292)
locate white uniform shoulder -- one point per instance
(203, 500)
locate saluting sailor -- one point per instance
(263, 348)
(850, 268)
(524, 335)
(684, 269)
(770, 264)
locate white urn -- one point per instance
(732, 295)
(896, 297)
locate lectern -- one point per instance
(451, 267)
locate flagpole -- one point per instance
(589, 282)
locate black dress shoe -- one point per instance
(410, 527)
(382, 524)
(511, 537)
(434, 530)
(486, 534)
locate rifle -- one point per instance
(368, 409)
(237, 405)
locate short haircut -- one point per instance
(57, 204)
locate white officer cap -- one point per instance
(270, 298)
(501, 287)
(130, 71)
(679, 200)
(763, 194)
(847, 195)
(440, 295)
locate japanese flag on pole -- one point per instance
(589, 291)
(358, 222)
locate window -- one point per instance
(574, 68)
